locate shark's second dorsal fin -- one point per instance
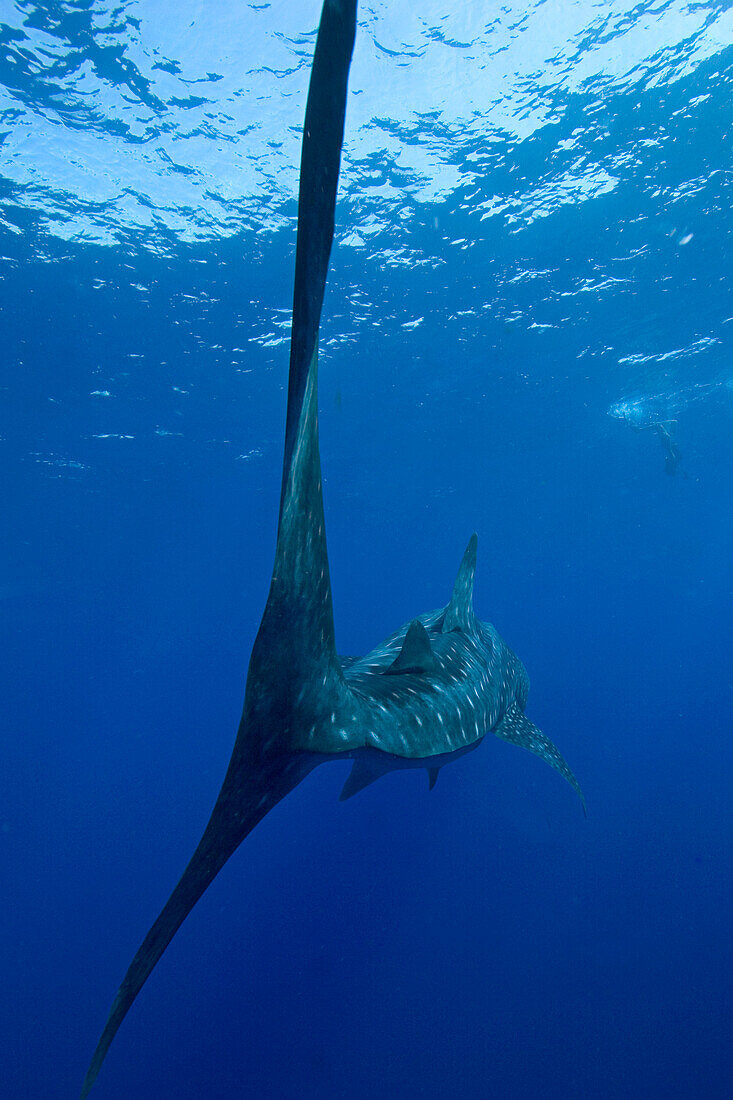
(459, 612)
(416, 654)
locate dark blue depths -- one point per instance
(481, 939)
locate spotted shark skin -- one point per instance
(426, 696)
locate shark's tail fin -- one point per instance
(323, 133)
(224, 833)
(300, 595)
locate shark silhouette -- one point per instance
(427, 695)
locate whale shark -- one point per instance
(428, 695)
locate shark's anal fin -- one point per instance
(459, 614)
(516, 728)
(416, 654)
(433, 774)
(365, 770)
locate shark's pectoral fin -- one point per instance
(459, 613)
(366, 770)
(516, 728)
(433, 774)
(416, 654)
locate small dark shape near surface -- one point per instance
(670, 448)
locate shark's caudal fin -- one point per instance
(516, 728)
(229, 824)
(295, 644)
(300, 578)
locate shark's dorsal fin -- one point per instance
(416, 654)
(366, 770)
(459, 612)
(433, 774)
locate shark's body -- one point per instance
(427, 695)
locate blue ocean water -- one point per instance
(531, 273)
